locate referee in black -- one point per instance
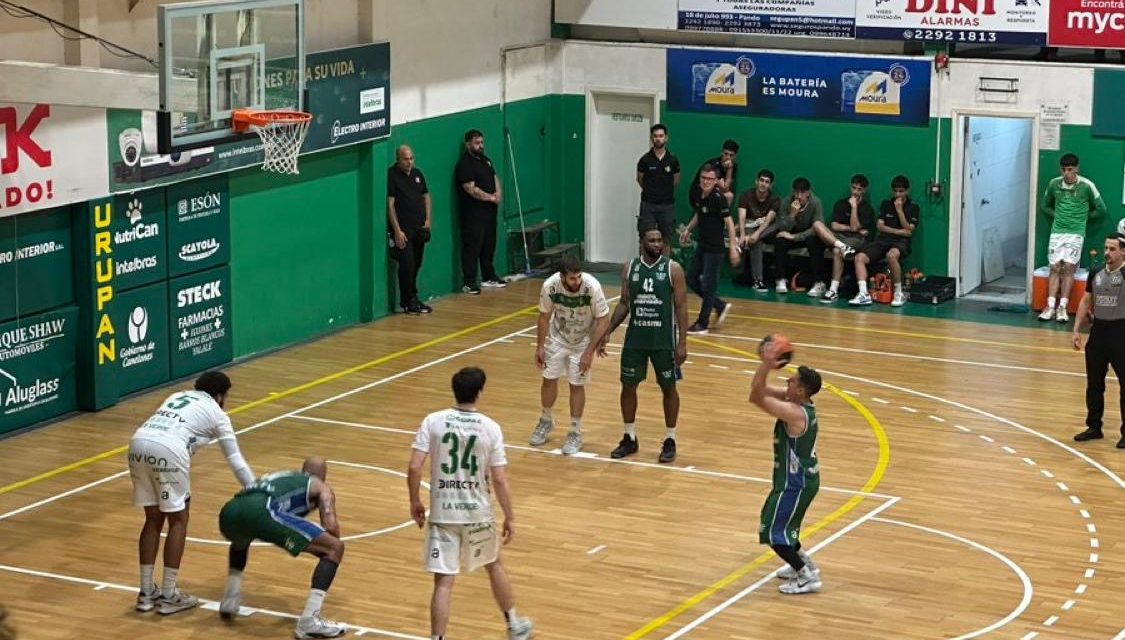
(408, 226)
(658, 174)
(1105, 301)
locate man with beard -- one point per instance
(658, 174)
(1104, 305)
(573, 316)
(654, 289)
(479, 199)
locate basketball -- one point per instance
(779, 347)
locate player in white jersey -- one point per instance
(468, 451)
(573, 317)
(160, 466)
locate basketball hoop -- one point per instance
(282, 133)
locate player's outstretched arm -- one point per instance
(414, 485)
(771, 400)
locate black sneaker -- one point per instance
(627, 447)
(471, 289)
(411, 309)
(1089, 434)
(760, 287)
(422, 307)
(1121, 443)
(668, 451)
(697, 330)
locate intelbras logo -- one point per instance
(199, 250)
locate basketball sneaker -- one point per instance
(317, 627)
(668, 451)
(573, 443)
(788, 573)
(147, 601)
(899, 299)
(722, 314)
(180, 601)
(520, 629)
(1048, 314)
(830, 296)
(817, 290)
(1061, 315)
(860, 299)
(542, 430)
(804, 582)
(495, 283)
(627, 447)
(230, 605)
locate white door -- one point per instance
(970, 234)
(617, 135)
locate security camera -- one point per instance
(131, 142)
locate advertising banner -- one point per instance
(138, 247)
(45, 156)
(37, 377)
(141, 316)
(867, 89)
(349, 95)
(817, 18)
(36, 271)
(200, 312)
(1094, 24)
(198, 225)
(1022, 22)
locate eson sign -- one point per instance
(37, 378)
(198, 225)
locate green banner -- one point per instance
(200, 312)
(138, 249)
(198, 225)
(37, 376)
(35, 262)
(141, 317)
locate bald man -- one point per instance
(408, 226)
(273, 509)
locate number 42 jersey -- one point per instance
(463, 447)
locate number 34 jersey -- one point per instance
(463, 447)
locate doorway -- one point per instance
(617, 134)
(997, 208)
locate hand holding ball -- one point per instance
(776, 350)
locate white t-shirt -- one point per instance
(190, 419)
(463, 447)
(572, 313)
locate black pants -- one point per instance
(1106, 347)
(478, 244)
(781, 247)
(409, 261)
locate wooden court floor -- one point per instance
(954, 503)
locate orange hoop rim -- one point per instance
(243, 119)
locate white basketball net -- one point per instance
(281, 142)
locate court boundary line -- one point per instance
(46, 475)
(205, 604)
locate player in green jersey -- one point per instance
(1070, 201)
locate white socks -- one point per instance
(670, 432)
(147, 584)
(862, 287)
(834, 286)
(168, 589)
(575, 425)
(1050, 302)
(234, 582)
(1063, 302)
(631, 430)
(313, 604)
(546, 415)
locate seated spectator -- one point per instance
(757, 209)
(853, 220)
(794, 228)
(898, 219)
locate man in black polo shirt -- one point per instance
(725, 166)
(479, 198)
(408, 226)
(1104, 301)
(658, 173)
(712, 216)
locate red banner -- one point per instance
(1097, 24)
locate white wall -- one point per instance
(1001, 151)
(27, 39)
(650, 14)
(1038, 84)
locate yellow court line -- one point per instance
(904, 334)
(282, 394)
(872, 482)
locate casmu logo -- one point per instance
(1099, 23)
(138, 325)
(193, 251)
(197, 294)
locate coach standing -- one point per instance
(1105, 298)
(479, 199)
(408, 221)
(658, 173)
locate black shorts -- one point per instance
(877, 249)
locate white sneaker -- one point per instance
(829, 297)
(520, 629)
(847, 250)
(573, 443)
(723, 315)
(899, 299)
(230, 605)
(317, 627)
(147, 601)
(817, 290)
(788, 573)
(781, 287)
(804, 582)
(1048, 314)
(860, 299)
(542, 430)
(180, 601)
(1061, 315)
(493, 284)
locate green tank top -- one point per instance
(651, 323)
(794, 459)
(288, 491)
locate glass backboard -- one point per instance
(220, 55)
